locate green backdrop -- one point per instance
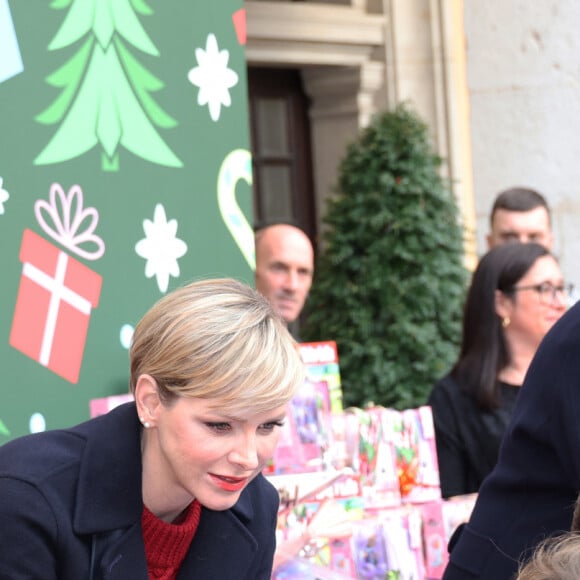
(124, 172)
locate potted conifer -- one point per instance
(390, 280)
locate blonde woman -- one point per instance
(169, 486)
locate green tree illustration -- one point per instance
(105, 92)
(3, 429)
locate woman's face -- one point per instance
(533, 312)
(193, 450)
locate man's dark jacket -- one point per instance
(532, 490)
(70, 501)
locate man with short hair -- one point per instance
(284, 268)
(520, 214)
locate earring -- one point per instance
(505, 322)
(146, 424)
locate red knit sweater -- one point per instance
(166, 544)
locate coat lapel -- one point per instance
(109, 503)
(109, 489)
(123, 558)
(222, 548)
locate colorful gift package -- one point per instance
(305, 442)
(374, 457)
(368, 548)
(328, 524)
(434, 539)
(413, 437)
(321, 361)
(306, 439)
(401, 529)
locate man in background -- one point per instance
(284, 268)
(520, 215)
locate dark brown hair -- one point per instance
(484, 351)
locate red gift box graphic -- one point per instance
(57, 292)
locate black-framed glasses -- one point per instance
(548, 291)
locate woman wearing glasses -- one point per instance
(517, 293)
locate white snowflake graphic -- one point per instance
(4, 196)
(161, 248)
(213, 77)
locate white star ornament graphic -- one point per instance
(213, 77)
(161, 248)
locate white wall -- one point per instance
(523, 69)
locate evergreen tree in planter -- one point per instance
(390, 283)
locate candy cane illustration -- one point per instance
(236, 165)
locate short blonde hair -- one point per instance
(556, 558)
(217, 339)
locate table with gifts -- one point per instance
(359, 491)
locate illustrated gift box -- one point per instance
(57, 292)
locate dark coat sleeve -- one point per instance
(28, 533)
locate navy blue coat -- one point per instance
(530, 494)
(71, 500)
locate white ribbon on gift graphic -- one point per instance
(69, 223)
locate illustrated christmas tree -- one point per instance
(105, 96)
